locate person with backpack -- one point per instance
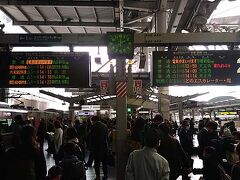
(73, 168)
(71, 137)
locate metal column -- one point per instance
(71, 113)
(161, 27)
(121, 130)
(180, 110)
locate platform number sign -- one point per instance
(120, 45)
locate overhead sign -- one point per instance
(196, 68)
(104, 84)
(138, 87)
(40, 38)
(44, 69)
(90, 107)
(227, 113)
(120, 45)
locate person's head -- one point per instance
(151, 138)
(95, 119)
(57, 124)
(226, 132)
(211, 126)
(28, 136)
(166, 128)
(71, 133)
(69, 149)
(55, 173)
(209, 152)
(158, 118)
(18, 119)
(139, 123)
(186, 124)
(77, 122)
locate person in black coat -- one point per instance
(185, 137)
(99, 146)
(172, 151)
(210, 164)
(41, 133)
(205, 136)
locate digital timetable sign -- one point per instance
(44, 69)
(196, 68)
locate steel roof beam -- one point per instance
(176, 15)
(11, 17)
(77, 14)
(105, 4)
(28, 18)
(143, 39)
(42, 15)
(138, 25)
(139, 18)
(60, 23)
(140, 6)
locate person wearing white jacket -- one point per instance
(146, 163)
(58, 136)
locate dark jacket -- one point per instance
(186, 141)
(99, 140)
(25, 163)
(209, 170)
(172, 151)
(204, 139)
(73, 169)
(235, 175)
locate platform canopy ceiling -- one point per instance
(100, 16)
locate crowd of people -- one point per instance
(156, 149)
(218, 148)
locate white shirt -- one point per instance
(57, 138)
(146, 164)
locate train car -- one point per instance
(7, 115)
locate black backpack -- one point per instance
(74, 170)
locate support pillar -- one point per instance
(71, 113)
(193, 114)
(161, 27)
(145, 51)
(180, 110)
(130, 81)
(111, 80)
(121, 130)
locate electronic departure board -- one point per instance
(44, 69)
(196, 68)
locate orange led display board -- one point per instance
(44, 69)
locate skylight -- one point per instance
(226, 8)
